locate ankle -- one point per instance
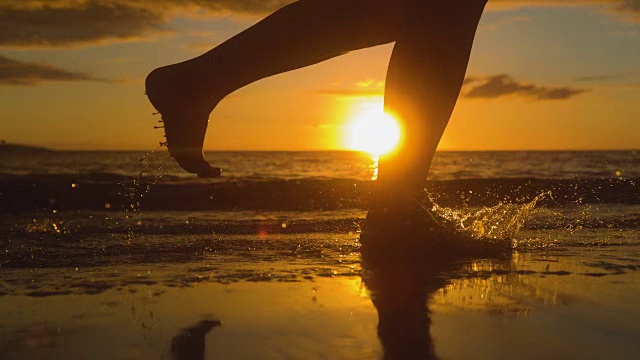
(397, 197)
(207, 75)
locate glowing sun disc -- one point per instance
(373, 131)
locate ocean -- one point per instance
(120, 254)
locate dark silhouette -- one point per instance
(399, 291)
(433, 42)
(401, 279)
(189, 343)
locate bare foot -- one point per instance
(185, 114)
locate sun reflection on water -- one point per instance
(374, 166)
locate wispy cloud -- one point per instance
(55, 23)
(502, 85)
(90, 22)
(628, 9)
(504, 21)
(350, 92)
(14, 72)
(607, 77)
(483, 87)
(630, 5)
(364, 88)
(627, 5)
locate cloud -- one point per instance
(238, 6)
(630, 5)
(627, 5)
(364, 88)
(628, 9)
(493, 24)
(56, 23)
(484, 87)
(90, 22)
(503, 85)
(606, 78)
(14, 72)
(350, 92)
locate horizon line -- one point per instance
(164, 149)
(346, 150)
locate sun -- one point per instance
(373, 130)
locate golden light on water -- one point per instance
(372, 130)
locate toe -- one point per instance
(209, 172)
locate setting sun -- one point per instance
(373, 130)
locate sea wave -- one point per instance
(104, 191)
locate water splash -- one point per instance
(139, 187)
(46, 226)
(499, 222)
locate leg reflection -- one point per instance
(404, 322)
(189, 343)
(400, 281)
(399, 290)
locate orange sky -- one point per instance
(548, 76)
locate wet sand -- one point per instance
(556, 305)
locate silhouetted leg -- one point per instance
(425, 75)
(301, 34)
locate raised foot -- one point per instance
(193, 161)
(211, 172)
(185, 114)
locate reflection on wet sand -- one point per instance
(400, 284)
(531, 305)
(189, 344)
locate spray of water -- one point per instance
(139, 187)
(499, 222)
